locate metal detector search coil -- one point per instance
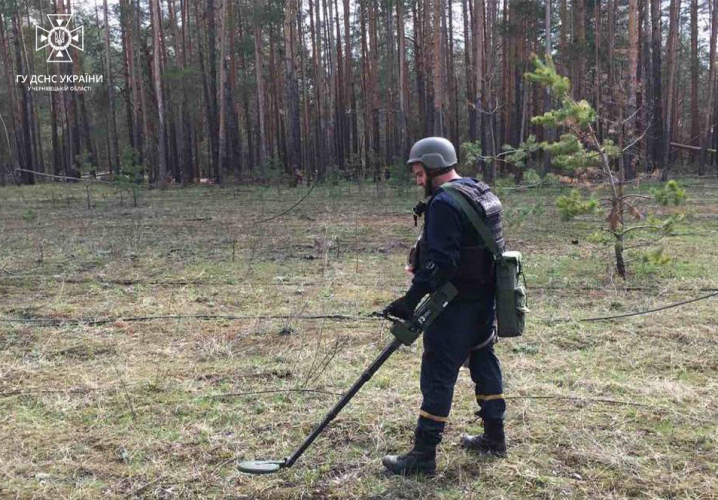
(404, 333)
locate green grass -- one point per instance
(163, 408)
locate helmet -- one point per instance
(435, 153)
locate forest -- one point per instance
(261, 90)
(205, 210)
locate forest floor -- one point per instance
(164, 408)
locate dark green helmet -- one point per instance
(435, 153)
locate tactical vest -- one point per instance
(476, 263)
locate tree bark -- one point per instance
(259, 75)
(670, 97)
(157, 77)
(709, 113)
(222, 129)
(291, 89)
(658, 136)
(630, 157)
(695, 117)
(114, 154)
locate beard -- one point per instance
(428, 187)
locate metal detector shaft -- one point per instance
(368, 373)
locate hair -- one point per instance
(439, 171)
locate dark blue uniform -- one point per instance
(466, 323)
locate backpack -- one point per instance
(510, 291)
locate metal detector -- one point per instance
(404, 333)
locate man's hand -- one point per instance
(403, 307)
(400, 308)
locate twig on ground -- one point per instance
(271, 391)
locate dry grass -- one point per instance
(163, 408)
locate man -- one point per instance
(451, 249)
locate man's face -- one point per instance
(419, 174)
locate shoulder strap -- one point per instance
(473, 216)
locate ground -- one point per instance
(96, 402)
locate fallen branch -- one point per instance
(271, 391)
(692, 148)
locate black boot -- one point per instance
(491, 442)
(420, 460)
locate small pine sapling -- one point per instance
(579, 149)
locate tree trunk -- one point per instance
(222, 130)
(251, 153)
(259, 75)
(318, 81)
(630, 157)
(114, 155)
(469, 74)
(547, 54)
(670, 97)
(350, 96)
(695, 117)
(439, 117)
(157, 77)
(564, 34)
(15, 119)
(658, 132)
(291, 89)
(26, 157)
(709, 112)
(579, 45)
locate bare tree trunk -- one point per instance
(318, 80)
(658, 135)
(114, 142)
(438, 80)
(350, 96)
(259, 74)
(480, 97)
(630, 157)
(251, 153)
(469, 74)
(308, 158)
(26, 157)
(547, 54)
(157, 77)
(670, 97)
(695, 117)
(293, 120)
(222, 152)
(564, 33)
(340, 135)
(490, 99)
(597, 54)
(328, 148)
(709, 113)
(34, 120)
(580, 47)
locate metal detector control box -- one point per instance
(425, 314)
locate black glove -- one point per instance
(403, 307)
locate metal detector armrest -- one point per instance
(425, 314)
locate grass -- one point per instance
(164, 408)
